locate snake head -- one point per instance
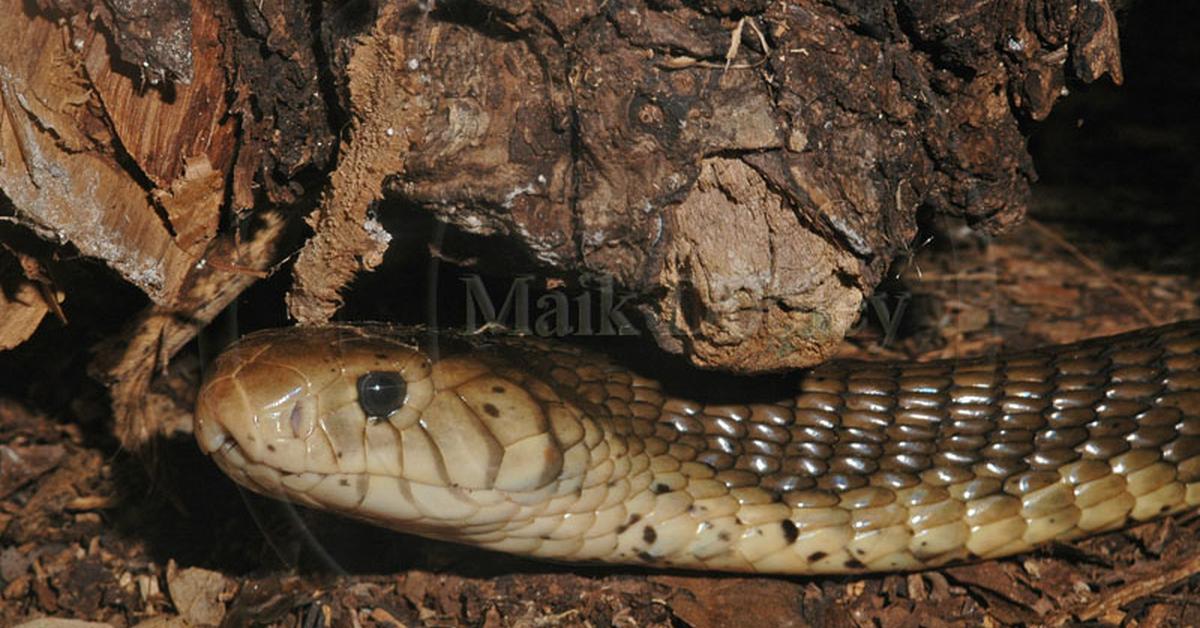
(363, 421)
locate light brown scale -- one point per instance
(933, 462)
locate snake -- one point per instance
(547, 450)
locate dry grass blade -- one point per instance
(1093, 266)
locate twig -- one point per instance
(762, 39)
(941, 277)
(240, 270)
(735, 43)
(1138, 588)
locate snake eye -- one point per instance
(381, 393)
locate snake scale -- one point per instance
(544, 450)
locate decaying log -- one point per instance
(749, 169)
(134, 168)
(752, 171)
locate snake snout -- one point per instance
(210, 434)
(259, 407)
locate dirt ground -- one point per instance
(90, 532)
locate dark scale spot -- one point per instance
(344, 482)
(649, 535)
(646, 557)
(1165, 508)
(380, 356)
(815, 556)
(545, 537)
(497, 389)
(634, 518)
(270, 448)
(723, 536)
(855, 563)
(338, 454)
(790, 532)
(492, 410)
(860, 551)
(660, 488)
(972, 556)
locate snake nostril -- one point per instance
(296, 420)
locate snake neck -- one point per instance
(887, 466)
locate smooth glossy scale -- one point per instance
(537, 448)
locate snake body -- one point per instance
(544, 450)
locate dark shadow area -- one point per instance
(1120, 165)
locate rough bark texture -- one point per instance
(749, 170)
(131, 161)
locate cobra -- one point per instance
(544, 450)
